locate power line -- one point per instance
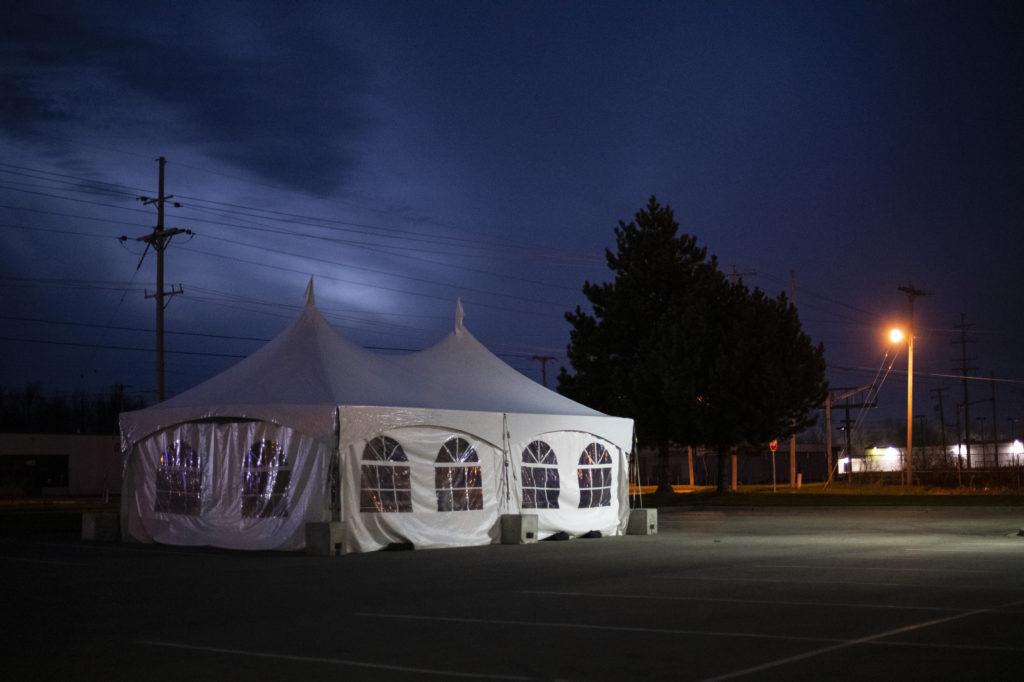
(82, 344)
(199, 203)
(210, 354)
(129, 329)
(395, 250)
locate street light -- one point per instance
(896, 336)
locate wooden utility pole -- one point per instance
(942, 420)
(543, 367)
(964, 369)
(159, 238)
(830, 399)
(828, 437)
(995, 424)
(942, 426)
(792, 436)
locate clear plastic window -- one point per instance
(540, 476)
(595, 477)
(457, 477)
(179, 480)
(266, 473)
(385, 484)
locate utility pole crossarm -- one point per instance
(852, 392)
(159, 237)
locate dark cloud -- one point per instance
(37, 42)
(22, 107)
(280, 103)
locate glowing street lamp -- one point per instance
(896, 336)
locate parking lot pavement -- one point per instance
(847, 594)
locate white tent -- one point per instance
(429, 448)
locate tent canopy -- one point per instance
(302, 376)
(429, 447)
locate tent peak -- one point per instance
(459, 316)
(310, 297)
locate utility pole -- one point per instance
(830, 399)
(847, 427)
(543, 367)
(911, 293)
(964, 369)
(981, 432)
(828, 437)
(942, 425)
(159, 238)
(792, 436)
(942, 415)
(995, 424)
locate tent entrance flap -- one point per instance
(232, 484)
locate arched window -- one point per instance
(265, 476)
(457, 477)
(385, 481)
(595, 477)
(179, 480)
(540, 476)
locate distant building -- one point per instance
(983, 456)
(56, 465)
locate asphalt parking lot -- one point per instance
(839, 594)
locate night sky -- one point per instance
(408, 154)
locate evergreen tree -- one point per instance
(691, 357)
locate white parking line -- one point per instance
(835, 643)
(886, 569)
(802, 581)
(331, 661)
(870, 639)
(769, 602)
(591, 626)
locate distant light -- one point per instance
(1017, 448)
(888, 458)
(896, 336)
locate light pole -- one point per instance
(912, 293)
(896, 336)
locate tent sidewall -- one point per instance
(421, 433)
(215, 515)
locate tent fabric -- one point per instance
(318, 402)
(499, 439)
(190, 498)
(460, 373)
(298, 378)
